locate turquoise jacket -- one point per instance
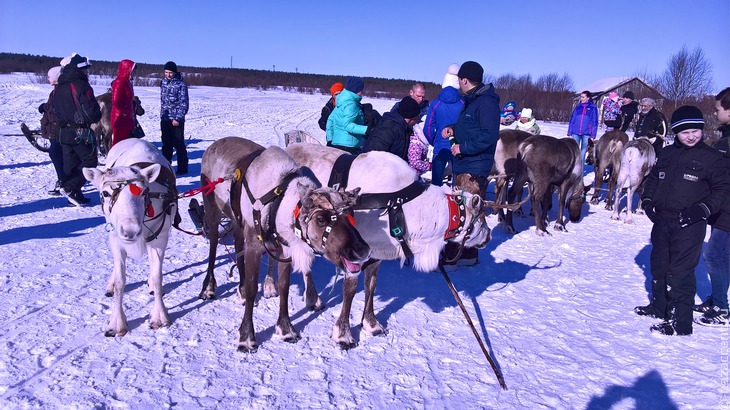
(344, 126)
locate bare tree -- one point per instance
(688, 76)
(552, 83)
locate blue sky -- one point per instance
(589, 40)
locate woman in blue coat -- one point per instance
(442, 112)
(584, 122)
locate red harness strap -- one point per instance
(456, 216)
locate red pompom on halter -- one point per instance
(135, 190)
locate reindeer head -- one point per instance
(328, 226)
(577, 198)
(124, 195)
(475, 232)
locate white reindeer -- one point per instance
(636, 162)
(139, 201)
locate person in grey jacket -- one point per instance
(173, 108)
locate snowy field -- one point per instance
(555, 312)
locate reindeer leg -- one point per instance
(118, 321)
(269, 287)
(597, 182)
(562, 204)
(369, 321)
(251, 262)
(284, 327)
(341, 333)
(311, 297)
(629, 202)
(158, 317)
(609, 198)
(212, 218)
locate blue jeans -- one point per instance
(582, 141)
(56, 154)
(717, 259)
(438, 167)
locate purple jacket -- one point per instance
(584, 120)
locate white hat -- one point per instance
(526, 113)
(54, 73)
(67, 60)
(450, 78)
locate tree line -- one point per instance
(686, 80)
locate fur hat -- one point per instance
(450, 78)
(687, 117)
(54, 73)
(613, 95)
(336, 87)
(408, 108)
(66, 60)
(354, 84)
(171, 66)
(472, 71)
(526, 113)
(629, 94)
(80, 62)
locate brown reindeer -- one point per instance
(549, 162)
(506, 165)
(606, 155)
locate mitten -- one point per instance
(649, 211)
(693, 214)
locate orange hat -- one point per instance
(336, 87)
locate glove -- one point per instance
(693, 214)
(649, 211)
(42, 108)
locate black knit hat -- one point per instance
(472, 71)
(687, 117)
(629, 94)
(354, 84)
(171, 66)
(80, 62)
(408, 108)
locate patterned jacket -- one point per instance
(173, 99)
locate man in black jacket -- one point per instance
(76, 109)
(651, 124)
(629, 108)
(688, 184)
(391, 134)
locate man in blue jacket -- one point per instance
(476, 133)
(173, 108)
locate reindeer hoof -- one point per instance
(609, 207)
(246, 349)
(113, 333)
(292, 338)
(206, 295)
(594, 201)
(615, 217)
(346, 345)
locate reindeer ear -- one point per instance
(93, 175)
(151, 172)
(351, 196)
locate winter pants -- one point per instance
(438, 168)
(675, 254)
(56, 153)
(173, 138)
(75, 157)
(717, 259)
(582, 141)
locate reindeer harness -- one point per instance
(274, 197)
(392, 203)
(165, 178)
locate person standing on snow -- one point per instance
(476, 133)
(122, 113)
(583, 123)
(76, 109)
(688, 184)
(173, 108)
(345, 126)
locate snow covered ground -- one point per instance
(555, 312)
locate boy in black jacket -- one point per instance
(715, 308)
(689, 183)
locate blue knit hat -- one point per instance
(354, 84)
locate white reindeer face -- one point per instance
(124, 197)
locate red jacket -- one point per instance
(122, 115)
